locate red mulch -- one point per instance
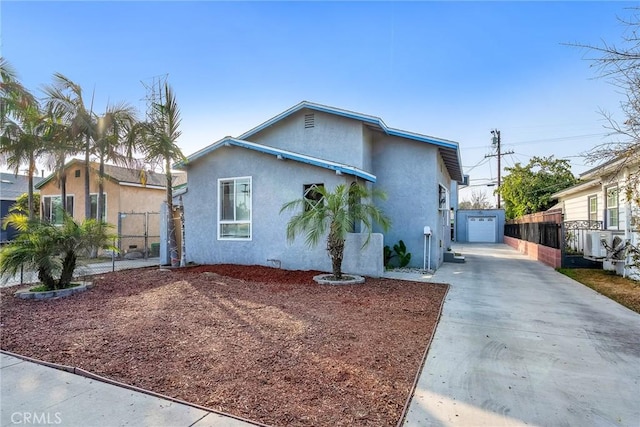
(260, 343)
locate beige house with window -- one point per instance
(600, 196)
(600, 202)
(132, 200)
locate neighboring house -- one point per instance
(132, 200)
(598, 202)
(11, 187)
(237, 186)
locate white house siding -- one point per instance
(332, 137)
(274, 182)
(409, 172)
(576, 208)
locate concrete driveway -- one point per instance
(520, 344)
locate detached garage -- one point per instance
(480, 225)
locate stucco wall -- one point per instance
(119, 198)
(408, 171)
(332, 137)
(274, 182)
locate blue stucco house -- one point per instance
(236, 187)
(11, 187)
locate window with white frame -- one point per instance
(593, 208)
(52, 208)
(612, 207)
(312, 196)
(234, 208)
(94, 207)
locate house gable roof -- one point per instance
(13, 186)
(281, 154)
(449, 150)
(123, 176)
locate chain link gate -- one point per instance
(138, 235)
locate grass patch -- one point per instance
(620, 289)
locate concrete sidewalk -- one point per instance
(33, 394)
(521, 344)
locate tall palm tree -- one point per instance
(23, 135)
(66, 99)
(63, 144)
(103, 136)
(335, 212)
(160, 136)
(113, 128)
(13, 95)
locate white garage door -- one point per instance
(482, 228)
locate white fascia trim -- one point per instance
(284, 154)
(131, 184)
(356, 116)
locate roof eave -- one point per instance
(282, 154)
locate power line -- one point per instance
(499, 154)
(534, 141)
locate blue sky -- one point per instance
(453, 70)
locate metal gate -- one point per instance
(138, 234)
(574, 242)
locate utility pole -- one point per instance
(499, 154)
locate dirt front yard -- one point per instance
(264, 344)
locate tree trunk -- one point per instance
(68, 267)
(100, 201)
(171, 226)
(87, 182)
(335, 246)
(30, 190)
(63, 192)
(183, 247)
(46, 279)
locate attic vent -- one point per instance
(309, 121)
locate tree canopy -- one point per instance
(478, 200)
(527, 189)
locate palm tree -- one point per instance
(63, 144)
(103, 136)
(160, 136)
(111, 143)
(335, 212)
(66, 99)
(50, 249)
(24, 134)
(12, 94)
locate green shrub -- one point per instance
(398, 252)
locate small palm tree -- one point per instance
(51, 250)
(335, 212)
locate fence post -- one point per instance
(146, 235)
(119, 233)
